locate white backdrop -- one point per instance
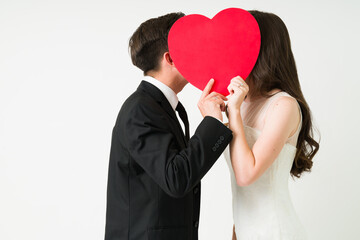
(65, 72)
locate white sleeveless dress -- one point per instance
(264, 210)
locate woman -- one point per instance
(273, 138)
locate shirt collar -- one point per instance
(167, 91)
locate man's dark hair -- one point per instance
(149, 41)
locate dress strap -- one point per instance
(293, 138)
(268, 103)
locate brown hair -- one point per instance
(276, 69)
(149, 41)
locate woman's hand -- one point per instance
(238, 90)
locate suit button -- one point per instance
(219, 141)
(196, 190)
(216, 145)
(222, 138)
(196, 224)
(214, 149)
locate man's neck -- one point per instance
(176, 86)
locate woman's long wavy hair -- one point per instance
(276, 69)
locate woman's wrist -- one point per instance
(235, 120)
(233, 110)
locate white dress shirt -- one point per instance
(169, 94)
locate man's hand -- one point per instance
(211, 104)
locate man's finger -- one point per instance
(215, 94)
(221, 96)
(223, 107)
(207, 89)
(211, 95)
(219, 101)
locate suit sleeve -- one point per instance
(154, 148)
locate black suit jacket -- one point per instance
(154, 173)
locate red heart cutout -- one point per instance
(223, 47)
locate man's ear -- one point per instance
(168, 59)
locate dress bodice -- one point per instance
(264, 210)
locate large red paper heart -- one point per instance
(223, 47)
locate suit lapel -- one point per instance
(160, 98)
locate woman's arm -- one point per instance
(281, 121)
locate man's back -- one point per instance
(137, 207)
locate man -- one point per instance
(155, 169)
